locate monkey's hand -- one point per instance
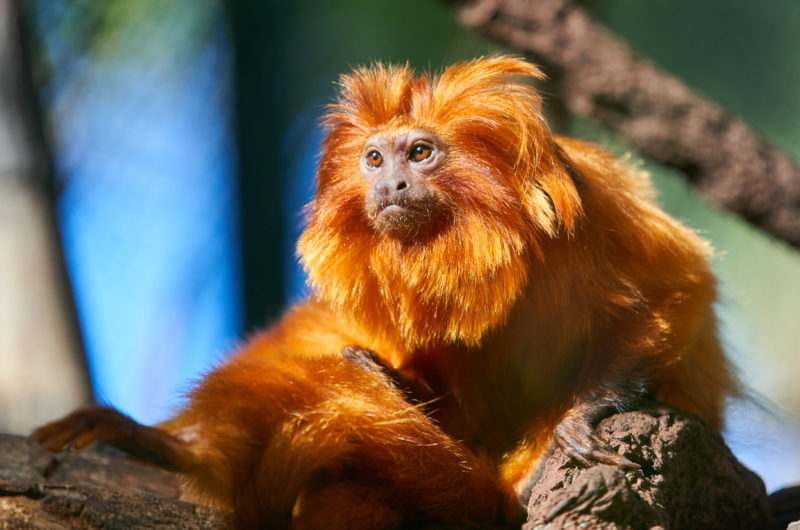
(616, 384)
(416, 390)
(103, 424)
(576, 436)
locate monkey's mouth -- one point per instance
(395, 214)
(392, 210)
(402, 217)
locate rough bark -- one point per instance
(90, 489)
(688, 479)
(601, 77)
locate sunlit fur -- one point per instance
(550, 278)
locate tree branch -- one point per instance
(601, 77)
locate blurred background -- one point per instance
(176, 142)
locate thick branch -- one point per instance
(602, 78)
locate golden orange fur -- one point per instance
(548, 285)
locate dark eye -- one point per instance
(374, 158)
(420, 152)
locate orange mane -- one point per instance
(459, 282)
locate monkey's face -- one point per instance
(399, 169)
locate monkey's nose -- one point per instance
(390, 189)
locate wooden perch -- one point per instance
(688, 479)
(601, 77)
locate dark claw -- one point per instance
(416, 390)
(363, 358)
(579, 441)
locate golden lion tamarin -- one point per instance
(513, 288)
